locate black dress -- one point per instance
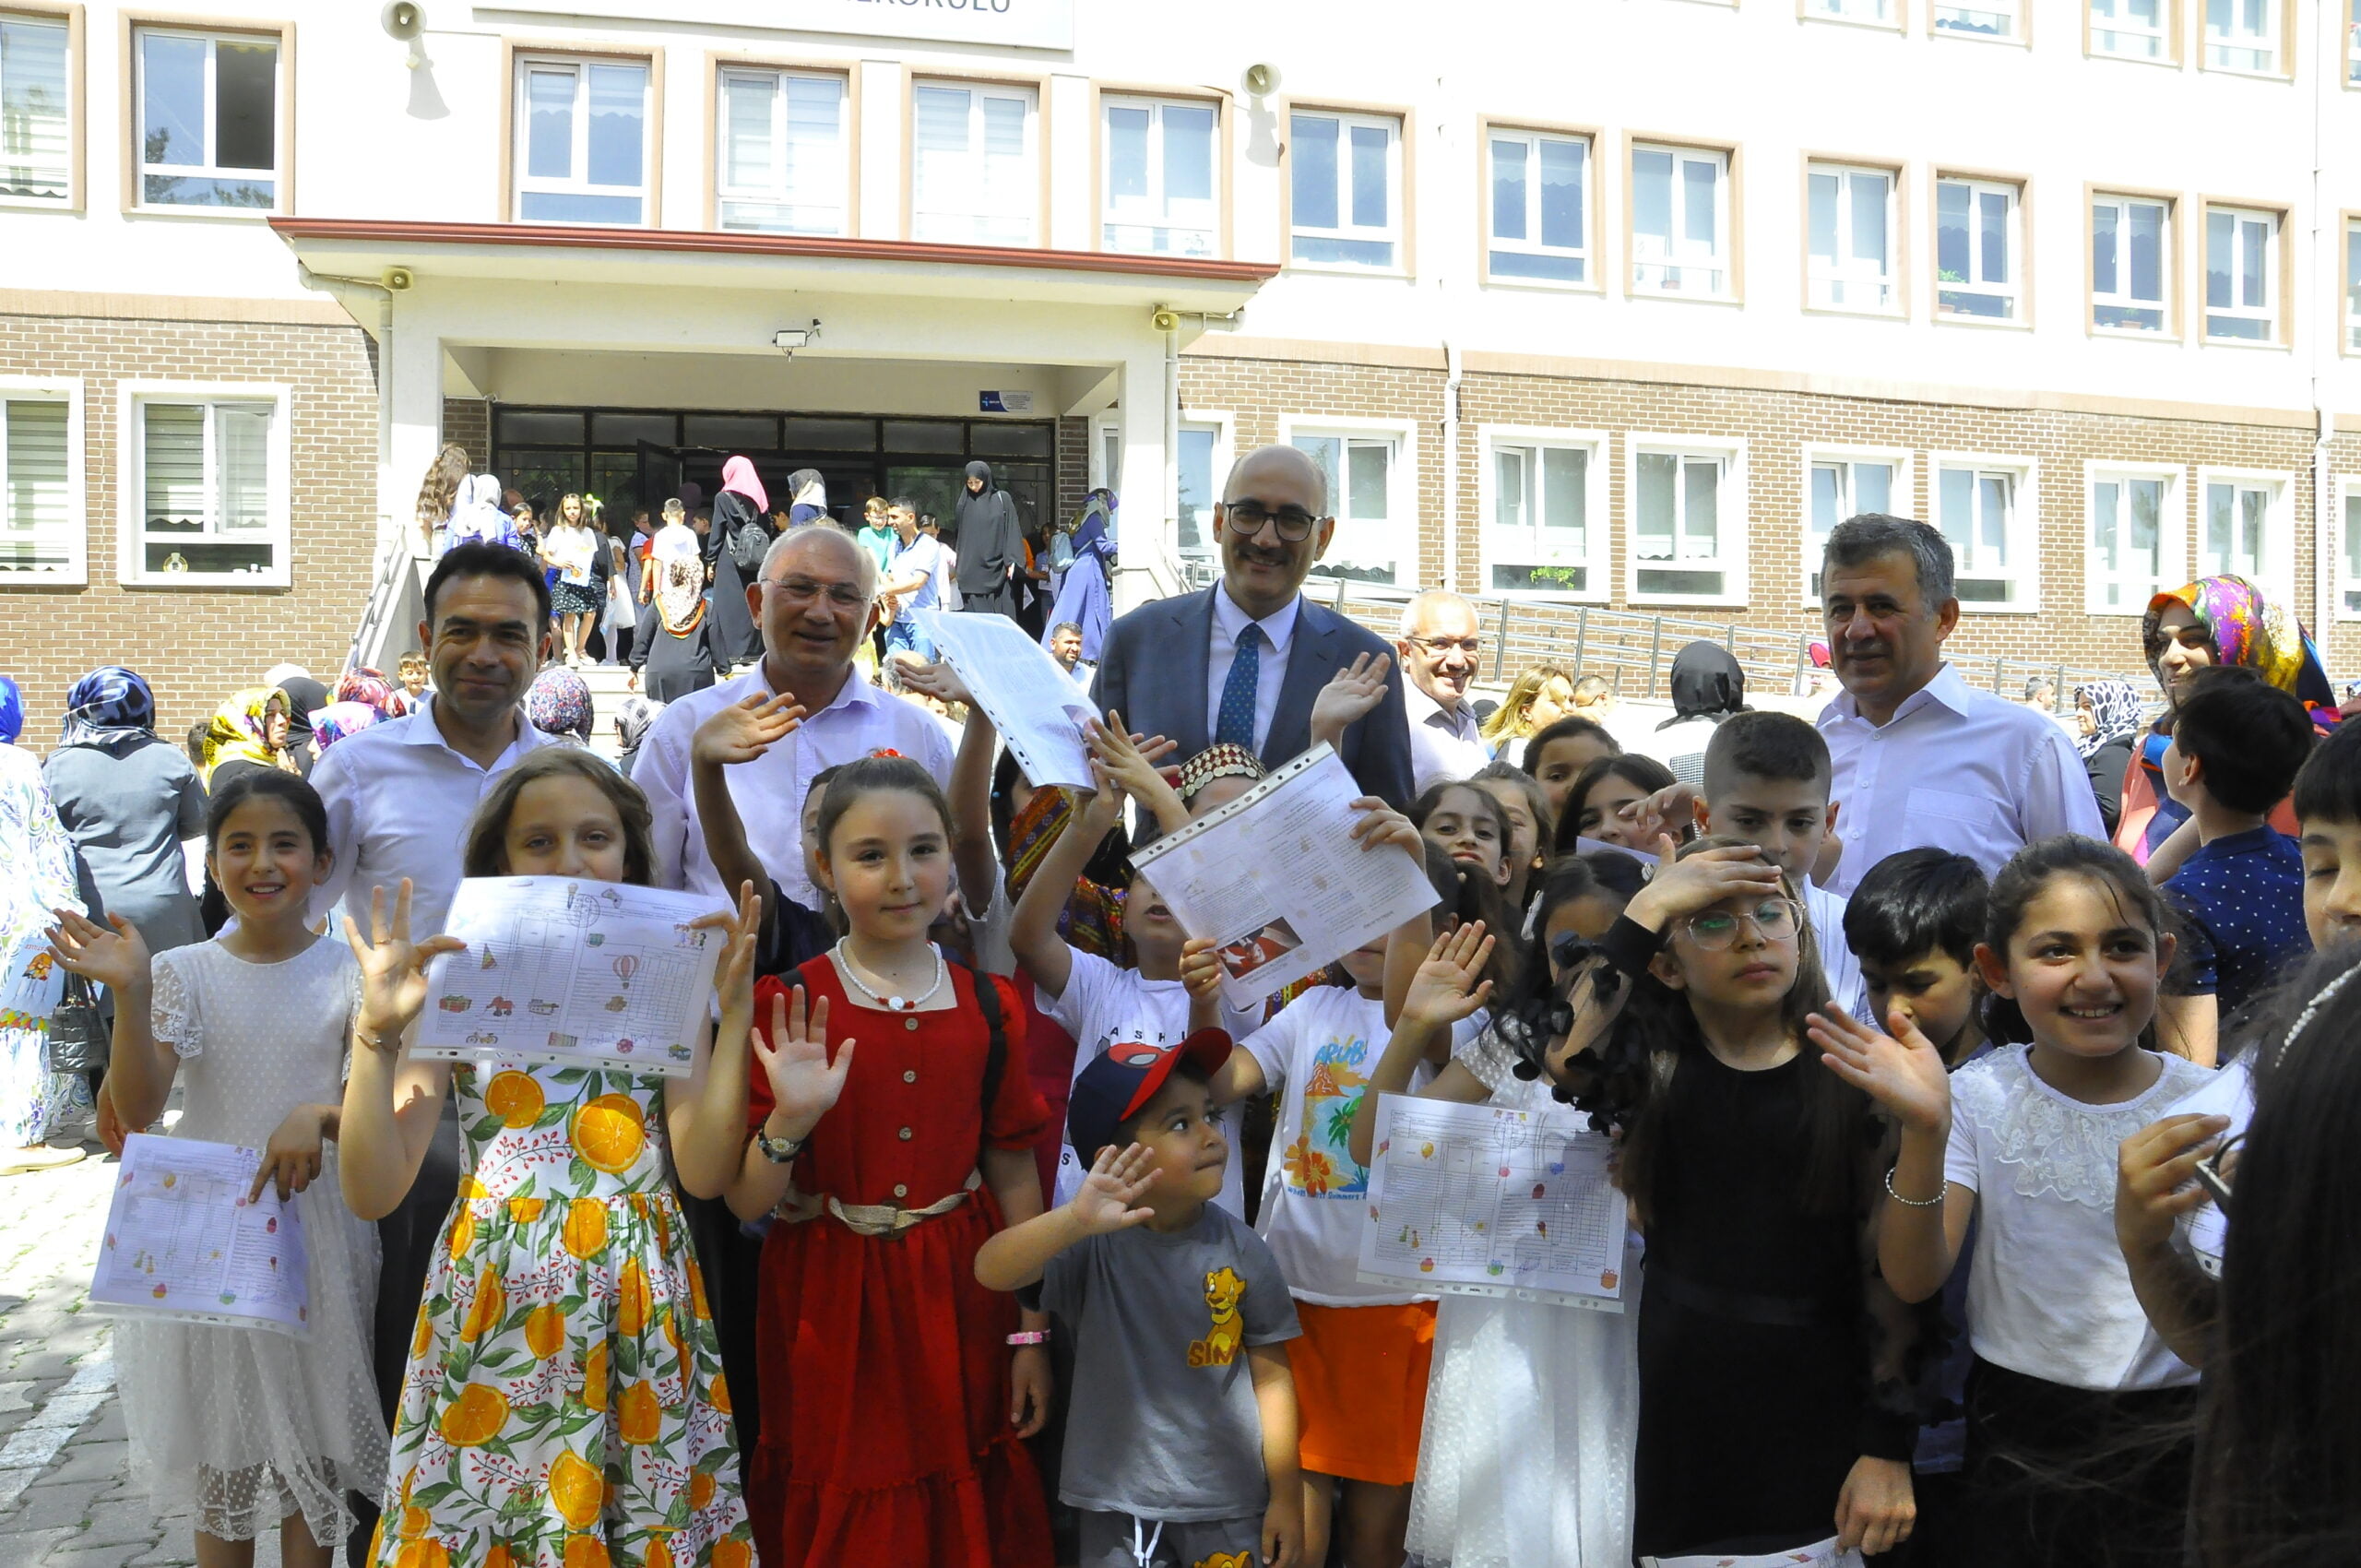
(736, 639)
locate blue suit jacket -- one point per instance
(1153, 671)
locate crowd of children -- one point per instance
(884, 1280)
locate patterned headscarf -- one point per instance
(337, 721)
(2115, 713)
(236, 732)
(559, 704)
(639, 711)
(1225, 760)
(2246, 629)
(107, 706)
(12, 712)
(371, 689)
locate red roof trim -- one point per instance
(403, 232)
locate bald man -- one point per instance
(1440, 646)
(1244, 660)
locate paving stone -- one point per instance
(106, 1554)
(24, 1548)
(84, 1460)
(42, 1507)
(117, 1519)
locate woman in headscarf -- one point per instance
(370, 688)
(2107, 721)
(248, 730)
(734, 550)
(305, 697)
(631, 728)
(2222, 620)
(39, 880)
(1085, 594)
(669, 656)
(12, 712)
(558, 703)
(990, 543)
(479, 516)
(809, 494)
(130, 800)
(1707, 687)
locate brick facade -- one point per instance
(467, 421)
(1074, 468)
(196, 646)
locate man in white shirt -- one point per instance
(911, 573)
(815, 600)
(1440, 646)
(1921, 757)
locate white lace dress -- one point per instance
(242, 1427)
(1532, 1413)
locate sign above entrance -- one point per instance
(1003, 402)
(1019, 24)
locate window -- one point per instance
(2241, 256)
(1878, 13)
(1851, 243)
(782, 162)
(1160, 194)
(1978, 243)
(1540, 495)
(1687, 521)
(2352, 284)
(2349, 562)
(1976, 506)
(41, 501)
(1680, 221)
(2242, 35)
(36, 134)
(1841, 486)
(2236, 529)
(582, 152)
(2130, 29)
(2129, 540)
(209, 119)
(1198, 464)
(1344, 180)
(975, 173)
(1977, 19)
(1540, 207)
(212, 486)
(2131, 247)
(2352, 42)
(1369, 546)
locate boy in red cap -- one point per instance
(1180, 1440)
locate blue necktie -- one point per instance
(1234, 721)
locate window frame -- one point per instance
(1598, 545)
(1401, 488)
(1102, 167)
(1813, 454)
(70, 17)
(2171, 36)
(1037, 150)
(2021, 231)
(719, 67)
(2173, 329)
(1728, 213)
(131, 487)
(2282, 24)
(2351, 75)
(68, 391)
(2024, 538)
(1731, 514)
(1594, 249)
(515, 128)
(2348, 583)
(2278, 270)
(2346, 280)
(1401, 185)
(2172, 532)
(1897, 21)
(2277, 575)
(283, 35)
(1897, 230)
(2020, 33)
(1224, 425)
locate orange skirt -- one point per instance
(1361, 1387)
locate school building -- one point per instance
(1608, 303)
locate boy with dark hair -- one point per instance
(1180, 1439)
(2237, 744)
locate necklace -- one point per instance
(892, 1004)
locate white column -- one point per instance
(1073, 206)
(411, 383)
(885, 151)
(1147, 557)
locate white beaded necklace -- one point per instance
(891, 1003)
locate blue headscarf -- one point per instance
(107, 706)
(12, 711)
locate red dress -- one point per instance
(883, 1365)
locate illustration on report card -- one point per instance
(184, 1241)
(594, 974)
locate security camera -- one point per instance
(399, 278)
(1166, 321)
(1262, 80)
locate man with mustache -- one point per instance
(1245, 659)
(1920, 757)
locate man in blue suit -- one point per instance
(1243, 661)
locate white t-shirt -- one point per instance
(1842, 970)
(2048, 1294)
(1105, 1005)
(1316, 1056)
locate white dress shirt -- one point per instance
(398, 799)
(769, 790)
(1230, 623)
(1837, 965)
(1955, 768)
(1445, 744)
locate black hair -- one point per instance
(1125, 1129)
(868, 774)
(481, 558)
(1466, 895)
(903, 503)
(1431, 796)
(2252, 737)
(1862, 539)
(1573, 727)
(1763, 745)
(2328, 789)
(1535, 799)
(1645, 771)
(1917, 901)
(2029, 871)
(253, 783)
(1539, 1013)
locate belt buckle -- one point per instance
(901, 1223)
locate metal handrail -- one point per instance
(393, 561)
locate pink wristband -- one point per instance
(1030, 1336)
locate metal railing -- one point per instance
(394, 574)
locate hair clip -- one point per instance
(2311, 1010)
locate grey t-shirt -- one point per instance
(1163, 1422)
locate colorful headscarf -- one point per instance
(12, 712)
(2246, 629)
(1225, 760)
(371, 689)
(337, 721)
(107, 706)
(2114, 712)
(237, 733)
(639, 711)
(559, 704)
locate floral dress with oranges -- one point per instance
(565, 1405)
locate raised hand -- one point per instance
(1700, 882)
(393, 969)
(1447, 986)
(744, 730)
(1201, 967)
(1351, 693)
(938, 681)
(1103, 808)
(804, 1082)
(1903, 1072)
(1116, 1182)
(1668, 811)
(1120, 752)
(1376, 823)
(733, 976)
(116, 959)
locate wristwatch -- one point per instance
(779, 1151)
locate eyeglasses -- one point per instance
(1247, 518)
(1777, 919)
(1471, 646)
(2213, 1171)
(803, 591)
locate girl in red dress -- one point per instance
(893, 1398)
